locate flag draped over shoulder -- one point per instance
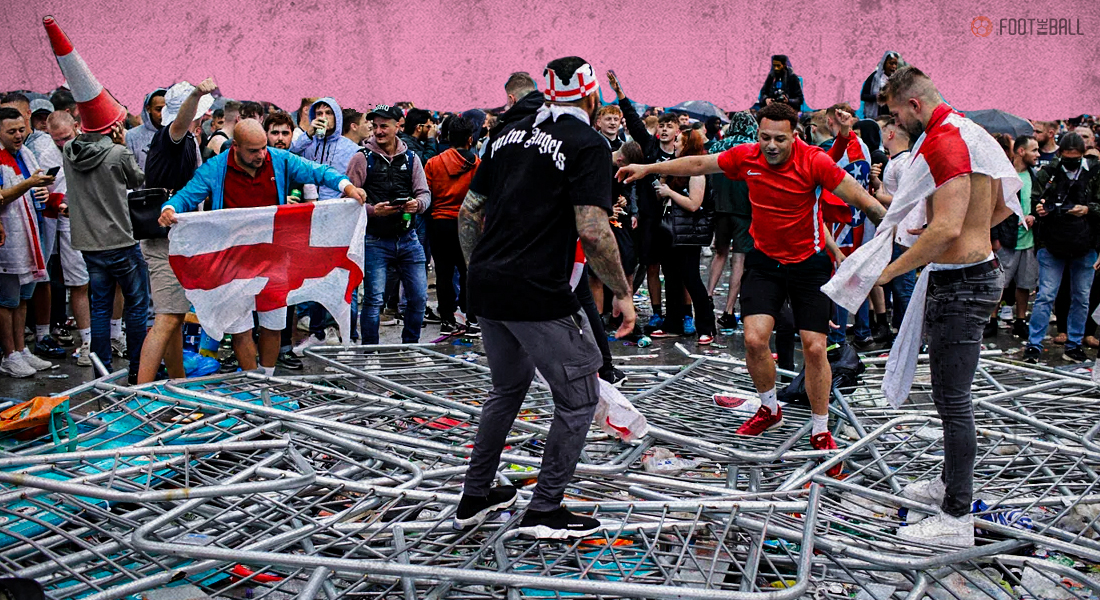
(232, 262)
(952, 145)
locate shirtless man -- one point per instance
(964, 286)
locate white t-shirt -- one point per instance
(891, 175)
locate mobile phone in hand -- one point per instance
(53, 171)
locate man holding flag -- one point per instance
(252, 175)
(969, 186)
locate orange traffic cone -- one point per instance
(99, 110)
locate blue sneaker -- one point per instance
(689, 326)
(656, 321)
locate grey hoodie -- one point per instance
(98, 173)
(138, 138)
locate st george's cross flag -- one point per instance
(951, 146)
(232, 262)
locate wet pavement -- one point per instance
(67, 374)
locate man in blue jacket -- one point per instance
(250, 175)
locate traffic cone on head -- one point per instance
(99, 111)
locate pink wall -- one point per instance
(456, 55)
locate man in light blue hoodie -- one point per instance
(138, 138)
(332, 149)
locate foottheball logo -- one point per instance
(981, 26)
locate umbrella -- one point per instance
(701, 110)
(999, 121)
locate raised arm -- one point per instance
(602, 253)
(183, 120)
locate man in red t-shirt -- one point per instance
(785, 177)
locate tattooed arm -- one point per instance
(603, 258)
(471, 222)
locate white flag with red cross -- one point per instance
(232, 262)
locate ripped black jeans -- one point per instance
(958, 307)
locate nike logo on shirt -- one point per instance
(752, 172)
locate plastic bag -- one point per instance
(663, 461)
(615, 415)
(846, 366)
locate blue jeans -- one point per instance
(406, 256)
(862, 328)
(126, 268)
(901, 288)
(1050, 279)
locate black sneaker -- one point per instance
(990, 329)
(613, 376)
(1019, 328)
(473, 510)
(559, 524)
(449, 327)
(471, 330)
(864, 344)
(1032, 355)
(287, 360)
(727, 321)
(882, 333)
(48, 348)
(1076, 355)
(430, 316)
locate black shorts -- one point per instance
(732, 231)
(768, 284)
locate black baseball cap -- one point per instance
(386, 112)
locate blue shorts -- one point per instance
(11, 293)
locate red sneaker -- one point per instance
(762, 421)
(825, 441)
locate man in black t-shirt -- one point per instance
(544, 180)
(171, 162)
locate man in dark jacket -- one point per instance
(1067, 232)
(657, 148)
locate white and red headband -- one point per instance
(580, 85)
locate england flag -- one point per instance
(233, 262)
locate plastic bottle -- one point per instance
(645, 341)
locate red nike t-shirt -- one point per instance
(786, 212)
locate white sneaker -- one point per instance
(929, 491)
(942, 530)
(35, 363)
(303, 323)
(15, 366)
(84, 355)
(118, 346)
(332, 336)
(1005, 313)
(306, 344)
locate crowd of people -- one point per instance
(662, 226)
(543, 220)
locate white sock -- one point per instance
(269, 371)
(116, 329)
(42, 331)
(821, 423)
(86, 336)
(769, 400)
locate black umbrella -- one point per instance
(999, 121)
(700, 110)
